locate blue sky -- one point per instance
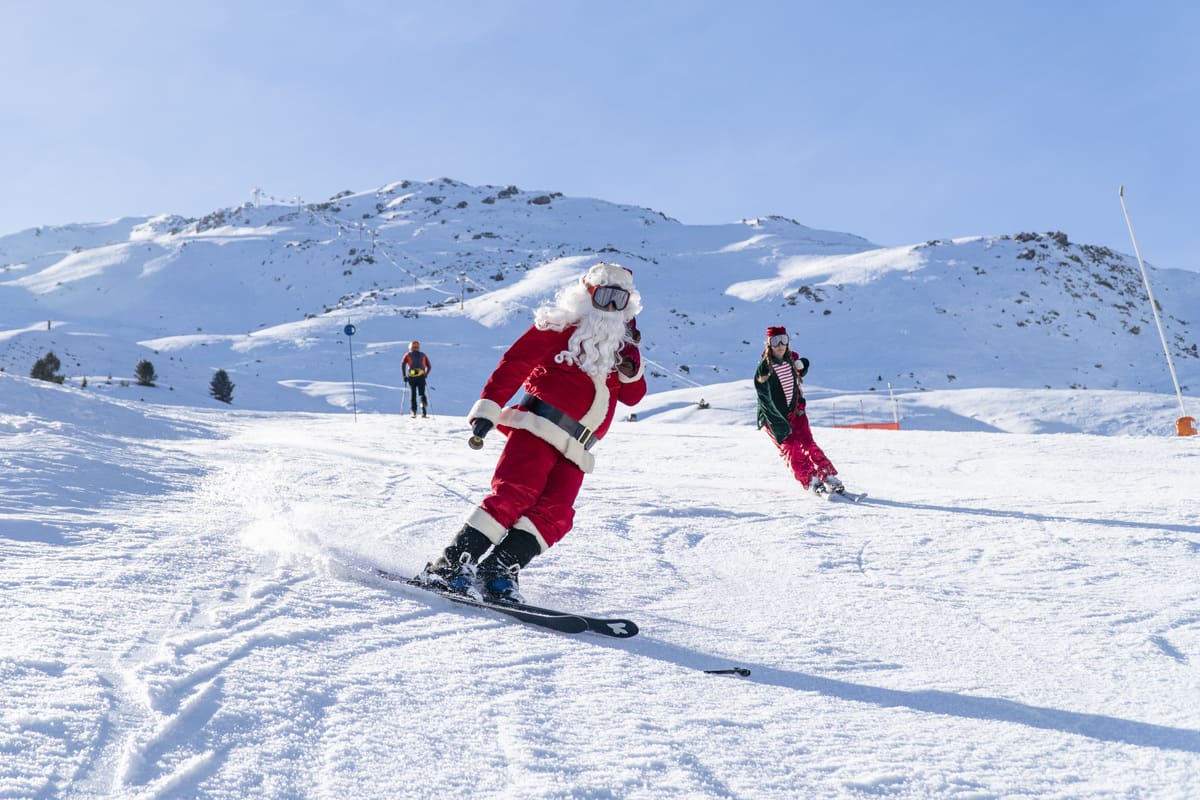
(900, 122)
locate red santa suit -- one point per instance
(541, 468)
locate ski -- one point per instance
(561, 621)
(850, 497)
(615, 627)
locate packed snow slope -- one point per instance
(1007, 615)
(265, 292)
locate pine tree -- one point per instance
(46, 368)
(221, 387)
(145, 373)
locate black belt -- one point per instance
(574, 428)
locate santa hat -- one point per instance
(605, 274)
(776, 330)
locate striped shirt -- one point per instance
(787, 378)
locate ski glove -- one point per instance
(632, 333)
(631, 360)
(480, 427)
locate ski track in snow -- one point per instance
(1005, 615)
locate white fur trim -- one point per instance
(484, 409)
(605, 274)
(526, 524)
(550, 433)
(486, 524)
(595, 415)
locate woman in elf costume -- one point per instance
(781, 404)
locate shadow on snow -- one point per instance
(1093, 726)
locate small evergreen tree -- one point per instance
(145, 373)
(221, 387)
(46, 368)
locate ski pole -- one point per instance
(479, 429)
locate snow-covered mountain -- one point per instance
(265, 293)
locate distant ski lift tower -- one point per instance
(1185, 425)
(257, 192)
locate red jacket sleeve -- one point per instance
(534, 348)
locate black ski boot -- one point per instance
(455, 569)
(498, 572)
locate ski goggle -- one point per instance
(778, 339)
(604, 296)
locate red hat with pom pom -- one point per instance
(776, 330)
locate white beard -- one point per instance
(596, 342)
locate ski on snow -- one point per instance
(850, 497)
(561, 621)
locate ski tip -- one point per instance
(617, 628)
(394, 577)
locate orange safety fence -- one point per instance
(877, 426)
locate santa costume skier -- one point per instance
(574, 363)
(781, 410)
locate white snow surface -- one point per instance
(1007, 615)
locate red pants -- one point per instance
(534, 480)
(802, 453)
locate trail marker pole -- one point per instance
(350, 330)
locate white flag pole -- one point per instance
(1153, 306)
